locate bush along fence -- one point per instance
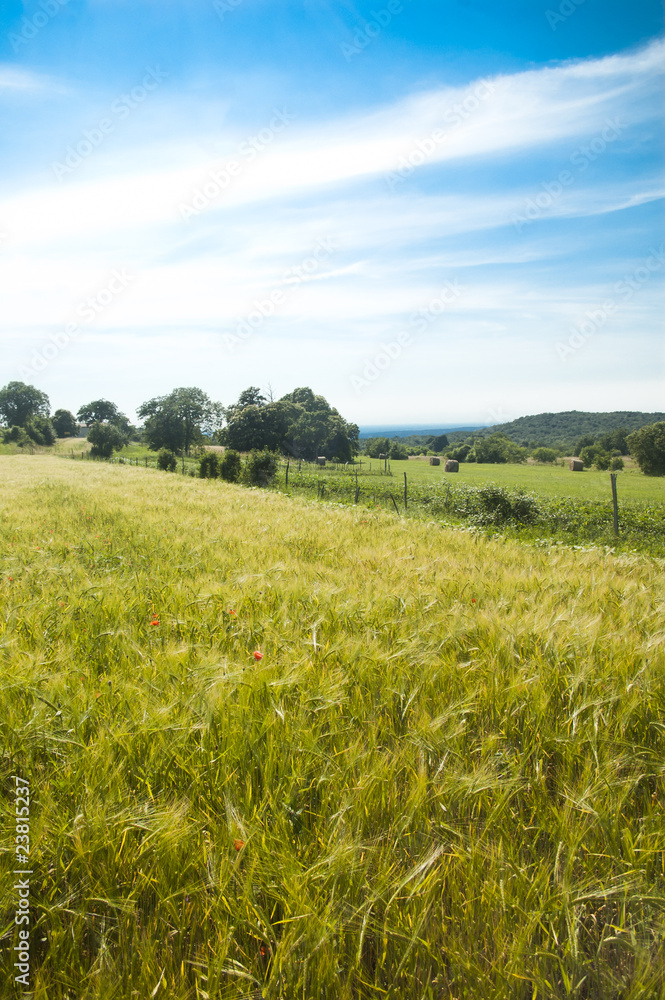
(641, 525)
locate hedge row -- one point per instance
(640, 523)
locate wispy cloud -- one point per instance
(13, 78)
(120, 208)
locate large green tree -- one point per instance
(300, 424)
(377, 446)
(438, 443)
(248, 397)
(101, 411)
(320, 429)
(256, 427)
(19, 402)
(64, 423)
(180, 420)
(647, 446)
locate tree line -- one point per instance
(301, 424)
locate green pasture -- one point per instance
(548, 480)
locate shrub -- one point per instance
(230, 466)
(209, 466)
(498, 505)
(17, 435)
(459, 454)
(40, 430)
(166, 460)
(398, 452)
(105, 439)
(545, 455)
(497, 448)
(616, 464)
(588, 455)
(648, 447)
(261, 467)
(594, 455)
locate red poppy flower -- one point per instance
(233, 612)
(155, 620)
(257, 655)
(473, 600)
(238, 844)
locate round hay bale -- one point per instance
(321, 460)
(435, 461)
(576, 465)
(452, 465)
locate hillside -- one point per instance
(568, 427)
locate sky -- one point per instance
(429, 212)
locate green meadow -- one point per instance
(548, 480)
(284, 748)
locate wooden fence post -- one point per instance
(405, 491)
(286, 484)
(615, 502)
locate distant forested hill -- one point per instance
(565, 429)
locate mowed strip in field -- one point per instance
(444, 777)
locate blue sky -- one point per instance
(429, 212)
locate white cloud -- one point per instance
(197, 279)
(13, 78)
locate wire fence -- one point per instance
(639, 525)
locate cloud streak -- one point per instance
(121, 209)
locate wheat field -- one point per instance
(280, 748)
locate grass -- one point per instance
(63, 446)
(443, 779)
(541, 517)
(547, 480)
